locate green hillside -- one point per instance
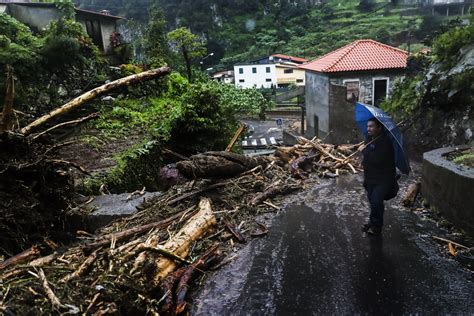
(242, 30)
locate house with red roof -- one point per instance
(362, 71)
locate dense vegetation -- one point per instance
(60, 58)
(182, 116)
(237, 31)
(443, 79)
(185, 114)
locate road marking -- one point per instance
(263, 141)
(272, 140)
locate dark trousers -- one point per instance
(376, 194)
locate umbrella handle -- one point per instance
(373, 140)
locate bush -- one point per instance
(446, 47)
(190, 117)
(66, 43)
(61, 50)
(19, 47)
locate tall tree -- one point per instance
(189, 45)
(156, 44)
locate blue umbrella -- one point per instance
(364, 112)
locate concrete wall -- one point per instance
(317, 104)
(260, 79)
(107, 27)
(35, 17)
(448, 188)
(341, 113)
(287, 78)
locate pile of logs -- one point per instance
(146, 262)
(313, 155)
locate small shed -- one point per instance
(363, 71)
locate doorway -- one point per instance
(380, 90)
(94, 31)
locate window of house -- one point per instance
(288, 71)
(299, 80)
(268, 80)
(241, 80)
(267, 70)
(352, 87)
(254, 70)
(241, 70)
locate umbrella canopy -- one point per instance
(364, 112)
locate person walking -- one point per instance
(380, 178)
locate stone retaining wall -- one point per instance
(449, 188)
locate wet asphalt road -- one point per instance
(316, 261)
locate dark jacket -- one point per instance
(379, 161)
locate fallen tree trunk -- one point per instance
(411, 194)
(86, 97)
(219, 164)
(195, 228)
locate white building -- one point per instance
(276, 70)
(255, 76)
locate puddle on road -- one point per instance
(316, 260)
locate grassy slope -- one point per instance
(327, 29)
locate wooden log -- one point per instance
(24, 256)
(236, 136)
(196, 227)
(49, 292)
(299, 166)
(411, 194)
(284, 154)
(6, 122)
(105, 240)
(167, 288)
(83, 269)
(193, 193)
(90, 95)
(453, 242)
(44, 260)
(219, 164)
(318, 147)
(203, 263)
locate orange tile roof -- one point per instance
(296, 59)
(359, 56)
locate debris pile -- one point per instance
(145, 263)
